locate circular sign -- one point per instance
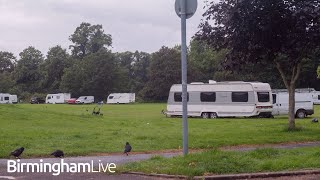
(191, 7)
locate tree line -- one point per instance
(93, 69)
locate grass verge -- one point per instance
(227, 162)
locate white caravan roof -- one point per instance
(224, 86)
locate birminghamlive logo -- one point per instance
(60, 167)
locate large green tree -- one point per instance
(133, 67)
(7, 61)
(89, 39)
(7, 64)
(96, 75)
(285, 33)
(53, 68)
(164, 71)
(27, 73)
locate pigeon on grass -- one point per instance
(58, 153)
(127, 148)
(16, 153)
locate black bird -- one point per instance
(315, 120)
(58, 153)
(16, 153)
(127, 148)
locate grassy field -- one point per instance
(44, 128)
(221, 162)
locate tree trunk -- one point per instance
(291, 114)
(290, 85)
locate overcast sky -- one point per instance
(143, 25)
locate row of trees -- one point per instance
(92, 69)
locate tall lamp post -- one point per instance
(184, 9)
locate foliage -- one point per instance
(7, 61)
(88, 39)
(53, 68)
(27, 73)
(150, 76)
(285, 33)
(133, 70)
(95, 75)
(165, 70)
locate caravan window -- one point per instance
(110, 97)
(178, 97)
(263, 96)
(208, 97)
(49, 97)
(239, 96)
(274, 98)
(319, 97)
(6, 98)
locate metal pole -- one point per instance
(184, 77)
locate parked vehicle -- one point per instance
(71, 101)
(85, 100)
(121, 98)
(316, 97)
(57, 98)
(303, 104)
(5, 98)
(14, 99)
(37, 100)
(222, 99)
(315, 94)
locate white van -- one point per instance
(5, 98)
(315, 94)
(85, 100)
(13, 99)
(121, 98)
(57, 98)
(222, 99)
(316, 97)
(303, 104)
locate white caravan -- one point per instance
(85, 100)
(13, 99)
(222, 99)
(121, 98)
(303, 104)
(5, 98)
(57, 98)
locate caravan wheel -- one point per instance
(205, 115)
(213, 115)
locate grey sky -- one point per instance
(143, 25)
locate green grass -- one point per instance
(44, 128)
(222, 162)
